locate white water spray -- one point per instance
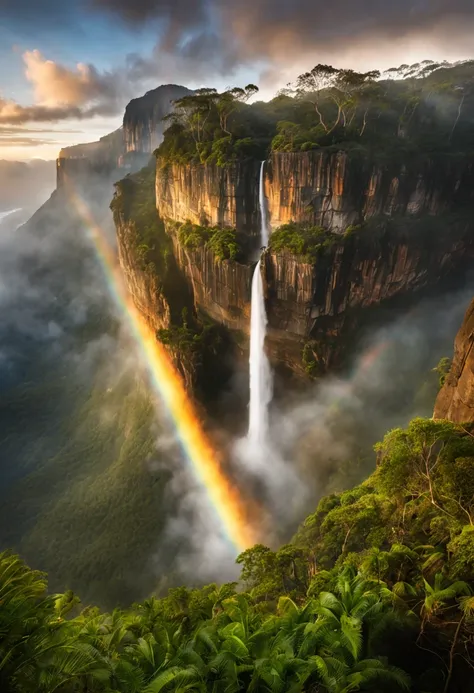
(261, 386)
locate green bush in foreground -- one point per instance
(374, 594)
(225, 243)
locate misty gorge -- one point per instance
(237, 390)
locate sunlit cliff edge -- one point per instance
(396, 227)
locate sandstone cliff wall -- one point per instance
(220, 288)
(144, 287)
(455, 400)
(143, 120)
(339, 189)
(327, 299)
(100, 159)
(210, 194)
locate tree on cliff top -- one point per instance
(193, 111)
(202, 111)
(312, 85)
(343, 87)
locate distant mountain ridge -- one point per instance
(130, 146)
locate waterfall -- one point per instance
(263, 208)
(260, 373)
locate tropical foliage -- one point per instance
(302, 239)
(424, 107)
(224, 242)
(134, 204)
(373, 594)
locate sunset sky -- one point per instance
(68, 68)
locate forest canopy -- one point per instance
(373, 593)
(426, 106)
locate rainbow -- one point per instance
(167, 383)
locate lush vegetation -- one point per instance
(374, 593)
(194, 340)
(135, 203)
(302, 239)
(203, 128)
(83, 484)
(198, 341)
(225, 243)
(425, 107)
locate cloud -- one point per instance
(275, 30)
(14, 141)
(56, 85)
(179, 14)
(200, 41)
(14, 130)
(62, 93)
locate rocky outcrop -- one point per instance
(327, 301)
(219, 287)
(126, 149)
(143, 120)
(418, 230)
(144, 286)
(338, 189)
(210, 194)
(455, 400)
(100, 159)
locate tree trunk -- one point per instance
(451, 655)
(457, 117)
(336, 123)
(364, 122)
(321, 121)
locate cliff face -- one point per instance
(142, 122)
(325, 300)
(126, 149)
(210, 194)
(100, 159)
(455, 400)
(338, 189)
(143, 286)
(220, 288)
(146, 289)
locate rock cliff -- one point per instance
(210, 194)
(455, 400)
(142, 122)
(327, 301)
(101, 158)
(416, 229)
(126, 149)
(219, 287)
(158, 283)
(338, 189)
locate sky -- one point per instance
(68, 68)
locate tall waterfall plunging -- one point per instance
(261, 386)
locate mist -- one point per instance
(24, 186)
(321, 439)
(96, 489)
(86, 444)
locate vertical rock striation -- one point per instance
(143, 120)
(338, 189)
(210, 194)
(220, 288)
(455, 400)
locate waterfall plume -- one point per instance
(261, 386)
